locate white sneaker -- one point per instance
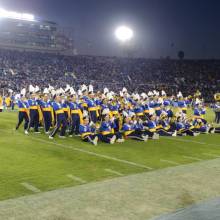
(146, 138)
(50, 137)
(155, 136)
(174, 134)
(120, 140)
(71, 136)
(95, 141)
(78, 135)
(212, 131)
(26, 132)
(37, 132)
(62, 137)
(113, 139)
(47, 132)
(196, 134)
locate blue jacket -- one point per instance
(106, 127)
(57, 107)
(32, 102)
(22, 104)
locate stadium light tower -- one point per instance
(124, 34)
(15, 15)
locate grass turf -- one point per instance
(45, 164)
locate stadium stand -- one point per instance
(21, 68)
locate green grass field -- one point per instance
(51, 164)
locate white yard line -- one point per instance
(30, 187)
(189, 141)
(95, 154)
(91, 153)
(212, 155)
(192, 158)
(169, 161)
(130, 197)
(76, 178)
(114, 172)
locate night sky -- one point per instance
(161, 27)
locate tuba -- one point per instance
(217, 97)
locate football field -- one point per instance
(33, 165)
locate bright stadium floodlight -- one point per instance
(15, 15)
(124, 33)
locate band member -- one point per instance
(88, 132)
(92, 108)
(184, 128)
(61, 121)
(23, 114)
(76, 115)
(165, 128)
(47, 111)
(34, 113)
(107, 133)
(217, 112)
(132, 131)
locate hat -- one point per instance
(67, 89)
(143, 95)
(179, 95)
(46, 91)
(90, 89)
(163, 93)
(106, 90)
(72, 91)
(31, 89)
(124, 90)
(84, 88)
(50, 88)
(79, 92)
(23, 92)
(150, 93)
(37, 89)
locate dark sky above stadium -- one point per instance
(161, 27)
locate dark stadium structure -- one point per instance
(34, 35)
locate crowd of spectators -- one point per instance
(19, 69)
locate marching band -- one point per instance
(110, 117)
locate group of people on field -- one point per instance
(108, 116)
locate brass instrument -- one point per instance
(217, 97)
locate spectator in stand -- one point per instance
(19, 69)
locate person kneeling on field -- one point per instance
(134, 130)
(107, 133)
(87, 132)
(164, 127)
(185, 128)
(203, 128)
(151, 127)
